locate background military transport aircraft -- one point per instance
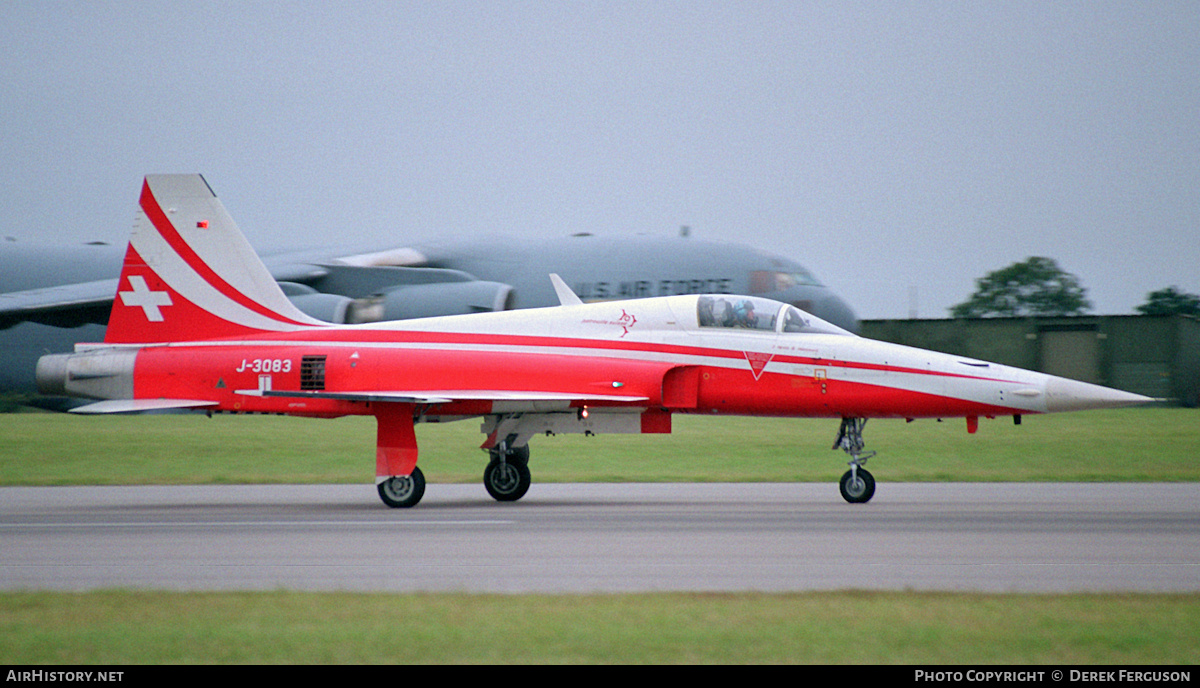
(53, 296)
(199, 323)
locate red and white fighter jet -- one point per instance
(199, 323)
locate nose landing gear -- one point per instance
(857, 484)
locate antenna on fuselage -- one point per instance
(566, 297)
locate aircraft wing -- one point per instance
(447, 396)
(410, 397)
(65, 305)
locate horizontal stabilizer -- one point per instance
(140, 405)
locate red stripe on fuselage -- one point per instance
(351, 337)
(212, 372)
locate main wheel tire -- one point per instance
(860, 490)
(403, 491)
(506, 481)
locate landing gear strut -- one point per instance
(857, 484)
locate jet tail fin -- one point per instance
(189, 273)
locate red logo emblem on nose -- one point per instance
(758, 361)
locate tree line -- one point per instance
(1038, 286)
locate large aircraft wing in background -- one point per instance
(65, 305)
(338, 290)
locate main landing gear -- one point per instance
(507, 476)
(401, 484)
(857, 484)
(403, 491)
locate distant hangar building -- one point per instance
(1154, 355)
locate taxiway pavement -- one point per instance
(993, 537)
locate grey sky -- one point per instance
(893, 148)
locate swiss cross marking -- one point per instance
(141, 297)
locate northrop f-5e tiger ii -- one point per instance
(199, 323)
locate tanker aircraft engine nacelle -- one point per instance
(198, 323)
(400, 301)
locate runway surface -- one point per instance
(606, 538)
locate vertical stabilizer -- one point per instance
(189, 274)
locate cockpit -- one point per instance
(764, 315)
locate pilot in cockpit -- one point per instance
(743, 314)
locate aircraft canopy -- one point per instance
(753, 313)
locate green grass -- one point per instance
(1151, 444)
(120, 627)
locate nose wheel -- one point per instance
(857, 484)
